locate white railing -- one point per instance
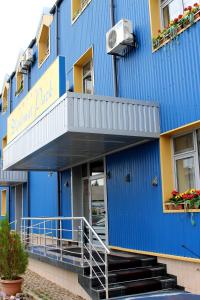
(13, 223)
(50, 237)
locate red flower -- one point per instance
(189, 8)
(175, 20)
(180, 17)
(159, 31)
(196, 4)
(174, 193)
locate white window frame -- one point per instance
(91, 72)
(163, 5)
(187, 154)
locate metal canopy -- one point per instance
(11, 178)
(77, 128)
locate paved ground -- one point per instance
(45, 289)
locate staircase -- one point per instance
(103, 273)
(128, 274)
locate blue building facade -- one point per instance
(137, 179)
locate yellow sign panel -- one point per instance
(44, 93)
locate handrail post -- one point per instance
(106, 275)
(82, 242)
(31, 231)
(45, 242)
(61, 241)
(90, 250)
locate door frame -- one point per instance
(90, 178)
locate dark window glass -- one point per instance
(96, 167)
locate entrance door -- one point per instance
(18, 205)
(97, 206)
(94, 199)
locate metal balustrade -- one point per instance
(9, 178)
(49, 237)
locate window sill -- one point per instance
(174, 211)
(17, 93)
(42, 62)
(168, 208)
(78, 15)
(181, 30)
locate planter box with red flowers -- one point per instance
(184, 201)
(178, 25)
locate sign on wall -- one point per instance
(44, 93)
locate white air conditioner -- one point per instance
(119, 37)
(28, 57)
(22, 67)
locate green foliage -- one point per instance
(13, 258)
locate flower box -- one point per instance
(176, 26)
(190, 199)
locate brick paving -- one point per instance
(44, 289)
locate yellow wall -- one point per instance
(5, 98)
(19, 79)
(78, 70)
(41, 96)
(44, 45)
(154, 9)
(167, 170)
(3, 203)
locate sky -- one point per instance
(19, 22)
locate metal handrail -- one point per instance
(71, 219)
(45, 237)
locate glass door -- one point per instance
(93, 197)
(98, 209)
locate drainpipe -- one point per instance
(114, 61)
(57, 30)
(10, 95)
(59, 192)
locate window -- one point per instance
(44, 45)
(3, 203)
(43, 38)
(77, 7)
(171, 9)
(169, 18)
(84, 73)
(185, 158)
(5, 98)
(19, 83)
(4, 143)
(87, 78)
(180, 161)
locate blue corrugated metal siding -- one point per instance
(43, 194)
(171, 77)
(25, 200)
(66, 209)
(7, 201)
(12, 206)
(135, 214)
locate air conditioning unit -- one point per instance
(119, 37)
(28, 57)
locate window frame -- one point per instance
(40, 63)
(91, 73)
(187, 154)
(78, 70)
(163, 5)
(74, 18)
(3, 213)
(5, 99)
(18, 91)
